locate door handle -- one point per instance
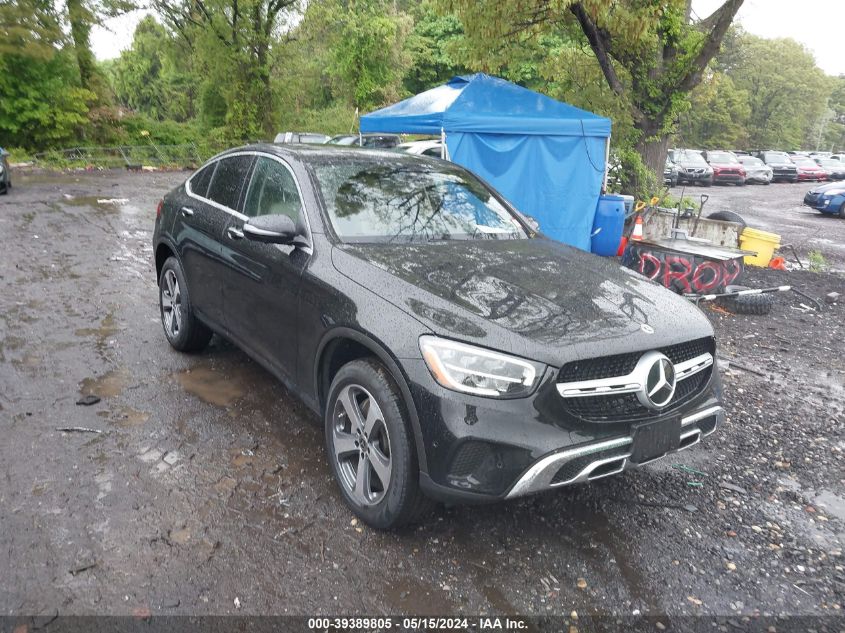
(187, 211)
(235, 234)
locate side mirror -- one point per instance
(271, 229)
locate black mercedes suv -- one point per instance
(452, 352)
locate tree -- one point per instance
(651, 54)
(42, 105)
(153, 75)
(366, 59)
(787, 92)
(718, 117)
(234, 42)
(429, 47)
(82, 15)
(29, 28)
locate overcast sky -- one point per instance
(818, 24)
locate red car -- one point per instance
(808, 169)
(726, 167)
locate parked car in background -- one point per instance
(783, 169)
(431, 148)
(670, 173)
(380, 141)
(692, 168)
(726, 167)
(839, 157)
(829, 198)
(808, 169)
(362, 280)
(301, 137)
(756, 171)
(5, 173)
(835, 168)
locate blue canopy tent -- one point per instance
(546, 157)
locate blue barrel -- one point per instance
(607, 227)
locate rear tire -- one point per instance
(728, 216)
(183, 330)
(370, 447)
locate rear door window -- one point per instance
(201, 179)
(229, 179)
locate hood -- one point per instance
(536, 298)
(726, 165)
(831, 186)
(692, 164)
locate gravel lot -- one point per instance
(208, 485)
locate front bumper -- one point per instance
(480, 450)
(729, 177)
(824, 203)
(694, 177)
(609, 457)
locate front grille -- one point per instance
(622, 364)
(626, 407)
(571, 468)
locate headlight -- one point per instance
(478, 371)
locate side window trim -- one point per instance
(241, 216)
(214, 204)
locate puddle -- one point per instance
(125, 417)
(102, 334)
(832, 503)
(211, 386)
(108, 385)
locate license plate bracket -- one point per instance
(655, 439)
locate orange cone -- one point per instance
(637, 235)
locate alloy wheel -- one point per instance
(361, 445)
(171, 304)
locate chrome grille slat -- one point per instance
(603, 397)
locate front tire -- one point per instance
(370, 448)
(183, 330)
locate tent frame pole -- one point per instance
(442, 144)
(606, 164)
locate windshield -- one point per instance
(691, 157)
(804, 161)
(750, 161)
(387, 199)
(722, 157)
(342, 140)
(777, 157)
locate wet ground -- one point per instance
(207, 491)
(778, 208)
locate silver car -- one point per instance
(756, 170)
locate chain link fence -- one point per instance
(184, 156)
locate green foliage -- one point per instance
(151, 76)
(430, 47)
(366, 60)
(42, 104)
(719, 115)
(818, 263)
(632, 176)
(787, 92)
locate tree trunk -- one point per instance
(79, 17)
(653, 147)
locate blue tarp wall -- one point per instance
(546, 157)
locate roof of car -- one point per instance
(306, 152)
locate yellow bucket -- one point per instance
(763, 243)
